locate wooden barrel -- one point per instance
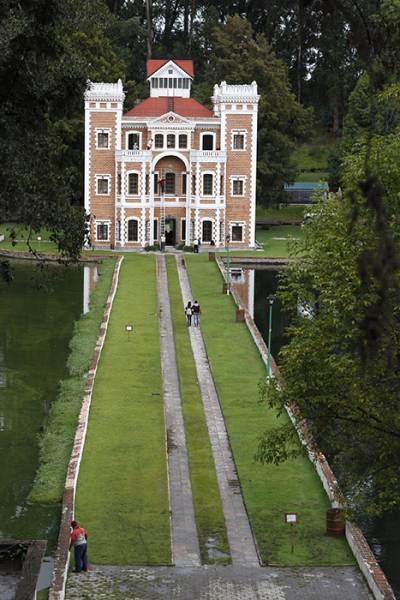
(335, 522)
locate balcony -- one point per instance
(133, 155)
(208, 155)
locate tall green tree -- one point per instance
(48, 51)
(238, 57)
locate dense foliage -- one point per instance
(342, 366)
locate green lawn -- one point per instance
(122, 495)
(269, 491)
(290, 213)
(208, 509)
(22, 232)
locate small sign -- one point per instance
(291, 518)
(128, 328)
(39, 239)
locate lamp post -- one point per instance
(228, 261)
(270, 300)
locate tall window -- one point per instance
(238, 141)
(207, 231)
(170, 183)
(183, 231)
(102, 185)
(207, 184)
(133, 183)
(184, 183)
(237, 187)
(155, 235)
(221, 185)
(183, 140)
(102, 232)
(170, 140)
(132, 231)
(133, 141)
(208, 142)
(159, 140)
(102, 139)
(119, 184)
(155, 189)
(237, 233)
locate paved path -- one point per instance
(218, 583)
(185, 543)
(241, 541)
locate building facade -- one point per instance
(169, 169)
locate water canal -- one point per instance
(37, 314)
(383, 534)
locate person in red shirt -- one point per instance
(79, 542)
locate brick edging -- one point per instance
(61, 562)
(375, 577)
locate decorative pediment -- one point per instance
(170, 69)
(171, 118)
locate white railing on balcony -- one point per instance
(208, 155)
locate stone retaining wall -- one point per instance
(363, 554)
(61, 561)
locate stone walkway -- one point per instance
(218, 583)
(184, 540)
(241, 541)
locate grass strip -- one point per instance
(269, 490)
(209, 515)
(122, 494)
(57, 440)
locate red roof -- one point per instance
(155, 107)
(156, 63)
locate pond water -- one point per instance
(383, 534)
(37, 314)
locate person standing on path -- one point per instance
(79, 542)
(196, 313)
(188, 313)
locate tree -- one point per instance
(342, 367)
(48, 52)
(237, 57)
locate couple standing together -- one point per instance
(192, 312)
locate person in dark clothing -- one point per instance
(196, 313)
(79, 542)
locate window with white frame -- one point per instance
(102, 232)
(155, 229)
(171, 140)
(103, 138)
(183, 139)
(103, 185)
(133, 183)
(133, 140)
(208, 184)
(159, 140)
(183, 230)
(207, 141)
(206, 231)
(238, 140)
(237, 232)
(133, 230)
(237, 186)
(170, 183)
